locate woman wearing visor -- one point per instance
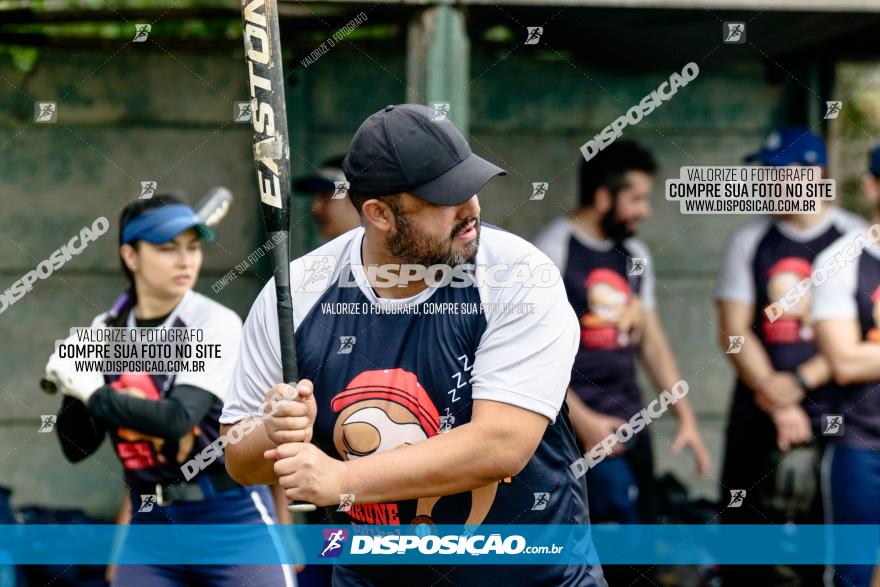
(159, 422)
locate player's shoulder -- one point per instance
(317, 270)
(514, 262)
(847, 221)
(200, 310)
(748, 235)
(311, 275)
(753, 228)
(558, 230)
(857, 237)
(553, 239)
(501, 246)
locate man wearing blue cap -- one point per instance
(782, 388)
(426, 400)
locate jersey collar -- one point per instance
(131, 322)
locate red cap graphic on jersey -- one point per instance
(393, 385)
(608, 277)
(383, 409)
(794, 324)
(783, 276)
(613, 312)
(795, 265)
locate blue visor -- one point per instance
(162, 225)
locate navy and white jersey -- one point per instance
(389, 372)
(610, 286)
(763, 260)
(147, 460)
(853, 292)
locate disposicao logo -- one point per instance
(333, 541)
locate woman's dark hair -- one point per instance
(131, 211)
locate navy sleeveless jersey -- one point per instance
(763, 261)
(609, 285)
(854, 292)
(148, 460)
(394, 372)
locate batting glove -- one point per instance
(63, 373)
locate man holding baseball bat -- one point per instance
(425, 398)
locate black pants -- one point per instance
(750, 465)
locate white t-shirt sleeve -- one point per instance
(835, 297)
(846, 221)
(735, 280)
(553, 241)
(223, 328)
(525, 357)
(258, 367)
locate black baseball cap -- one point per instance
(403, 148)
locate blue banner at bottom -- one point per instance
(454, 545)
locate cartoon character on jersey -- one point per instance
(795, 324)
(613, 317)
(383, 409)
(873, 334)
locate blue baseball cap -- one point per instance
(793, 145)
(161, 225)
(874, 161)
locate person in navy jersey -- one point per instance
(158, 422)
(609, 280)
(424, 400)
(782, 380)
(846, 309)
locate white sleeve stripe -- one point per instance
(836, 296)
(735, 278)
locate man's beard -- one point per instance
(614, 229)
(409, 245)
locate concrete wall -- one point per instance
(141, 114)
